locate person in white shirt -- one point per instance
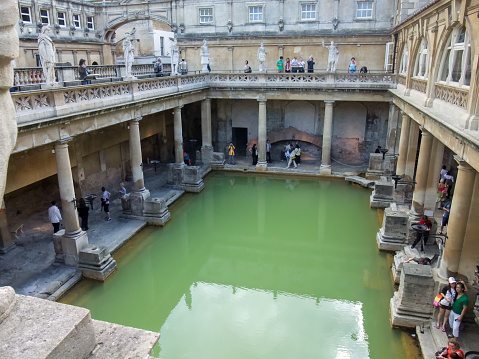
(55, 217)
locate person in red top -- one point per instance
(453, 347)
(425, 234)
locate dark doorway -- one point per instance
(240, 140)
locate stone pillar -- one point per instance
(6, 242)
(231, 58)
(135, 155)
(412, 149)
(392, 141)
(206, 147)
(437, 153)
(419, 196)
(178, 135)
(73, 238)
(403, 145)
(262, 164)
(458, 219)
(327, 137)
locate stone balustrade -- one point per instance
(452, 94)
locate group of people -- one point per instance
(295, 65)
(253, 150)
(293, 154)
(83, 209)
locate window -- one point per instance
(89, 23)
(456, 59)
(76, 21)
(404, 60)
(388, 60)
(44, 17)
(26, 14)
(61, 19)
(308, 12)
(162, 46)
(365, 10)
(206, 16)
(255, 13)
(422, 60)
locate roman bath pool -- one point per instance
(257, 267)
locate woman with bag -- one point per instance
(449, 292)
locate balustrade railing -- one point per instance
(419, 85)
(452, 94)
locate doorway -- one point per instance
(240, 140)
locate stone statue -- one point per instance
(333, 56)
(205, 54)
(46, 50)
(175, 57)
(128, 54)
(8, 122)
(262, 58)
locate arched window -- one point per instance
(456, 59)
(404, 60)
(421, 66)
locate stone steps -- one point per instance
(426, 340)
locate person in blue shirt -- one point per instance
(352, 65)
(445, 216)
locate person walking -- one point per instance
(268, 151)
(54, 216)
(292, 157)
(83, 214)
(105, 199)
(459, 308)
(231, 154)
(445, 216)
(445, 305)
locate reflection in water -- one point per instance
(251, 323)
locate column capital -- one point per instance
(329, 102)
(63, 142)
(424, 131)
(262, 100)
(136, 119)
(463, 165)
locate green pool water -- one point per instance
(257, 267)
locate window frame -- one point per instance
(47, 17)
(449, 56)
(92, 22)
(74, 21)
(204, 16)
(302, 11)
(364, 18)
(422, 54)
(255, 6)
(64, 18)
(29, 14)
(404, 63)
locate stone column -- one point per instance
(206, 147)
(73, 239)
(327, 137)
(231, 58)
(403, 145)
(135, 155)
(458, 219)
(178, 135)
(262, 164)
(412, 149)
(419, 196)
(392, 140)
(437, 153)
(6, 242)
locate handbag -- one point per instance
(438, 299)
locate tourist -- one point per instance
(476, 276)
(186, 158)
(459, 308)
(83, 214)
(423, 234)
(54, 216)
(443, 171)
(445, 216)
(254, 154)
(364, 70)
(449, 182)
(83, 72)
(301, 64)
(419, 260)
(441, 192)
(295, 64)
(298, 152)
(231, 153)
(268, 151)
(352, 65)
(279, 64)
(311, 64)
(283, 153)
(287, 152)
(122, 190)
(105, 199)
(453, 348)
(287, 67)
(378, 150)
(247, 68)
(292, 157)
(445, 305)
(183, 67)
(158, 67)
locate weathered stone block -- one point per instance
(382, 195)
(71, 245)
(217, 160)
(192, 180)
(375, 164)
(393, 234)
(95, 262)
(156, 212)
(175, 174)
(137, 201)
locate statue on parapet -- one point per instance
(128, 54)
(46, 51)
(175, 57)
(332, 57)
(205, 57)
(262, 58)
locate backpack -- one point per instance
(156, 68)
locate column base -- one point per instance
(192, 180)
(325, 170)
(206, 152)
(262, 166)
(96, 263)
(156, 212)
(71, 244)
(428, 102)
(137, 201)
(217, 160)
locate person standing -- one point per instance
(247, 68)
(445, 305)
(268, 151)
(287, 152)
(301, 64)
(459, 308)
(292, 157)
(122, 190)
(254, 154)
(423, 234)
(183, 67)
(83, 72)
(445, 216)
(158, 67)
(54, 216)
(83, 214)
(231, 153)
(105, 199)
(287, 66)
(352, 65)
(298, 152)
(311, 64)
(279, 64)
